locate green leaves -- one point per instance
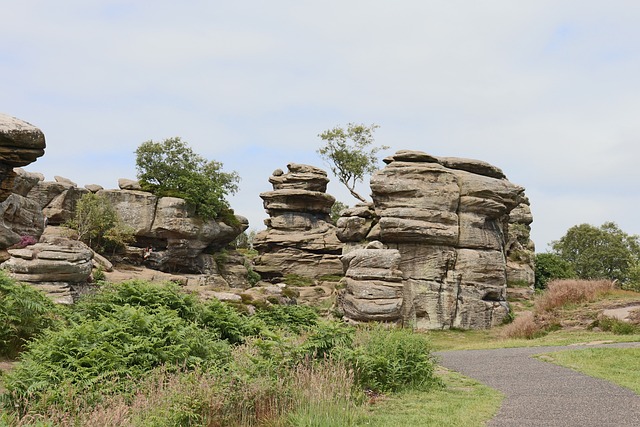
(349, 155)
(171, 168)
(604, 252)
(98, 224)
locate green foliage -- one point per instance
(390, 360)
(616, 326)
(550, 266)
(604, 252)
(297, 280)
(98, 354)
(349, 153)
(294, 318)
(24, 313)
(172, 168)
(336, 210)
(98, 224)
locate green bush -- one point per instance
(549, 267)
(616, 326)
(24, 313)
(98, 224)
(390, 360)
(294, 318)
(104, 355)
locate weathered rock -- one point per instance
(373, 288)
(94, 188)
(129, 184)
(299, 238)
(20, 217)
(448, 219)
(21, 143)
(25, 181)
(54, 266)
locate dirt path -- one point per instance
(542, 394)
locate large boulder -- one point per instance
(448, 218)
(54, 265)
(372, 285)
(21, 143)
(300, 238)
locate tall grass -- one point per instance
(558, 294)
(562, 292)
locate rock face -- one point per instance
(168, 235)
(20, 144)
(54, 265)
(448, 218)
(373, 288)
(300, 238)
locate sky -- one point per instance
(546, 90)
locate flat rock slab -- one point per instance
(543, 394)
(622, 313)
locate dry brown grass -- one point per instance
(559, 294)
(562, 292)
(524, 326)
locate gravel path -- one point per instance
(543, 394)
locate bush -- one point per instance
(616, 326)
(549, 267)
(24, 313)
(104, 355)
(98, 224)
(523, 326)
(390, 360)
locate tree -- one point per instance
(98, 224)
(172, 168)
(350, 154)
(604, 252)
(549, 267)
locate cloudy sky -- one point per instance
(547, 90)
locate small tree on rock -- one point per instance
(172, 168)
(98, 225)
(350, 154)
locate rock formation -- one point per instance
(373, 288)
(300, 238)
(168, 235)
(55, 266)
(449, 219)
(20, 144)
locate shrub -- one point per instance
(549, 267)
(563, 292)
(390, 360)
(523, 326)
(294, 318)
(98, 224)
(101, 356)
(24, 313)
(616, 326)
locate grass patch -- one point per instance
(297, 280)
(461, 402)
(618, 365)
(488, 339)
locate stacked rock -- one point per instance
(372, 284)
(300, 238)
(520, 252)
(20, 144)
(448, 218)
